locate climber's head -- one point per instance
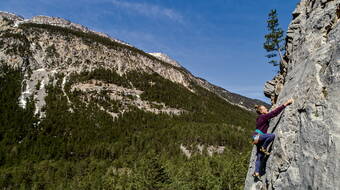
(260, 109)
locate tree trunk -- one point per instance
(278, 49)
(281, 57)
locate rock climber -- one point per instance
(261, 138)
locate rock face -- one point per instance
(306, 151)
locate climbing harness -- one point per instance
(259, 131)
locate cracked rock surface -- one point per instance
(306, 151)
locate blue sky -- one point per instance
(218, 40)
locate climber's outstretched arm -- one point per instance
(277, 111)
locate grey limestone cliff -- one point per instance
(306, 151)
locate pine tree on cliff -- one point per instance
(274, 39)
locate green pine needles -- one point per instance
(274, 41)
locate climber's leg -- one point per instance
(259, 158)
(267, 139)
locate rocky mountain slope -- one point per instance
(81, 110)
(305, 154)
(69, 55)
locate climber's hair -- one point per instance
(257, 108)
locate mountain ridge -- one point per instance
(242, 101)
(82, 111)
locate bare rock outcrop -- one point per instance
(306, 151)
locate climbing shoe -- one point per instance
(264, 151)
(257, 176)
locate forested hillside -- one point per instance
(117, 125)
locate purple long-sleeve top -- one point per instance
(262, 121)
